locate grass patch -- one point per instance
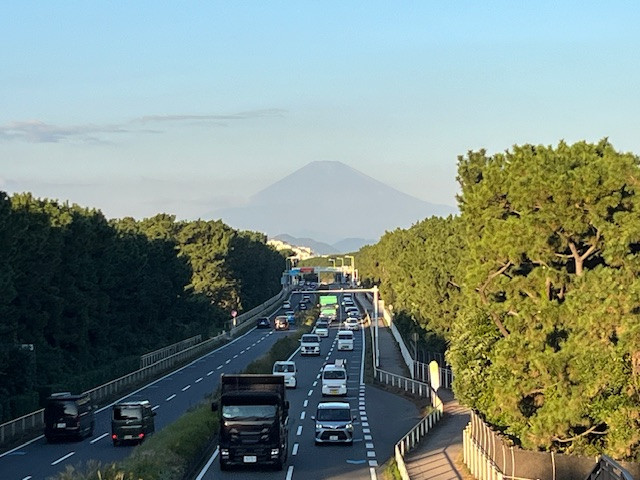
(389, 470)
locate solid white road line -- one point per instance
(99, 438)
(62, 459)
(205, 469)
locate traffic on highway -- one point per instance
(316, 446)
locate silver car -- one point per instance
(334, 423)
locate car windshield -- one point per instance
(344, 336)
(321, 325)
(334, 414)
(283, 368)
(123, 412)
(62, 408)
(334, 375)
(310, 338)
(248, 412)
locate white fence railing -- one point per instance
(35, 420)
(476, 459)
(415, 387)
(422, 373)
(412, 438)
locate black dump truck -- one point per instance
(254, 421)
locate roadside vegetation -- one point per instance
(82, 297)
(535, 290)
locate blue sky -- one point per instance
(143, 107)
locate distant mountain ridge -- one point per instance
(347, 245)
(329, 202)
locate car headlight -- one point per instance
(275, 452)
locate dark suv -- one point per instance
(68, 416)
(132, 422)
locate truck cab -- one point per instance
(254, 420)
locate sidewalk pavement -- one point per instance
(436, 456)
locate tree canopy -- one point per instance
(82, 297)
(535, 288)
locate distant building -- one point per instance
(301, 252)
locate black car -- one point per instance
(67, 415)
(263, 322)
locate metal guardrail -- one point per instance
(35, 420)
(152, 357)
(608, 469)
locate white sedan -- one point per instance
(351, 324)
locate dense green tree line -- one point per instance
(82, 297)
(535, 288)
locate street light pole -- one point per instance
(375, 314)
(352, 267)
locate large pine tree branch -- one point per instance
(586, 432)
(485, 300)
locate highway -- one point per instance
(383, 418)
(376, 430)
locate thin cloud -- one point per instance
(36, 131)
(271, 112)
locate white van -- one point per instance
(288, 370)
(345, 340)
(334, 378)
(310, 344)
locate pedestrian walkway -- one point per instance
(439, 453)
